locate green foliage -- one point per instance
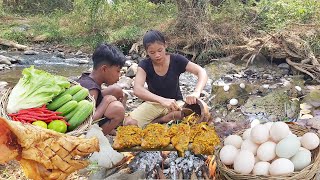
(276, 14)
(124, 21)
(1, 10)
(37, 6)
(49, 26)
(229, 11)
(20, 37)
(314, 41)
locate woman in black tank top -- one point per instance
(161, 72)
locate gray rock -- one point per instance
(284, 66)
(125, 82)
(61, 55)
(78, 53)
(128, 57)
(30, 52)
(132, 71)
(135, 56)
(83, 61)
(128, 63)
(21, 28)
(5, 60)
(267, 76)
(260, 61)
(99, 174)
(133, 176)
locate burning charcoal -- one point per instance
(174, 165)
(178, 160)
(146, 161)
(187, 153)
(166, 163)
(186, 174)
(166, 171)
(173, 170)
(199, 174)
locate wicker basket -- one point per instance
(309, 172)
(76, 132)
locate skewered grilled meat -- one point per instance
(127, 137)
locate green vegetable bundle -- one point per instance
(34, 89)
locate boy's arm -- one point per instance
(202, 80)
(101, 108)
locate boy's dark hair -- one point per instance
(107, 54)
(152, 36)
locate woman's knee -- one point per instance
(130, 121)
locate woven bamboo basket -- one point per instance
(309, 172)
(82, 128)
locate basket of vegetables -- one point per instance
(49, 101)
(275, 150)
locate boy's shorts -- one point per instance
(148, 111)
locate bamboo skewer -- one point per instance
(170, 147)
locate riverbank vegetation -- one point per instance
(206, 26)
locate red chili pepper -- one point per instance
(56, 117)
(31, 119)
(38, 114)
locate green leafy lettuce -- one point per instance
(34, 89)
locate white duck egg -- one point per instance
(242, 85)
(249, 146)
(310, 141)
(233, 102)
(261, 168)
(233, 140)
(227, 154)
(301, 160)
(256, 159)
(259, 134)
(226, 88)
(278, 131)
(304, 149)
(244, 162)
(268, 124)
(246, 134)
(254, 123)
(281, 166)
(267, 151)
(287, 147)
(292, 135)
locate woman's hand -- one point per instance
(192, 98)
(170, 104)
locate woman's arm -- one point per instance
(202, 80)
(141, 92)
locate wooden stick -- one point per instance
(139, 148)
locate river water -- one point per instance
(48, 62)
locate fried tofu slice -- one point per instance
(43, 153)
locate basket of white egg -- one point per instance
(274, 150)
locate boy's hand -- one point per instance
(170, 104)
(192, 98)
